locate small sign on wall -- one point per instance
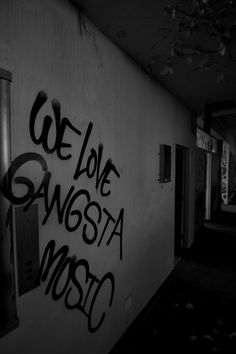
(205, 141)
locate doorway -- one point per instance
(8, 316)
(181, 193)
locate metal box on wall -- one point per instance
(27, 248)
(165, 163)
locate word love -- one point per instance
(90, 166)
(68, 212)
(72, 278)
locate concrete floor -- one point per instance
(195, 310)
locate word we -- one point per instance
(92, 166)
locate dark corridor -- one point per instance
(195, 309)
(181, 184)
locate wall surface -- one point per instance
(86, 125)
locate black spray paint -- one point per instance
(113, 226)
(92, 167)
(87, 292)
(100, 229)
(60, 125)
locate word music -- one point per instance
(76, 210)
(80, 295)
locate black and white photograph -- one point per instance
(117, 176)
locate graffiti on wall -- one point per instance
(225, 172)
(80, 295)
(96, 224)
(232, 174)
(215, 184)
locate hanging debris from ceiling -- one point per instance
(82, 23)
(168, 69)
(213, 19)
(82, 19)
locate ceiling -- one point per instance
(189, 46)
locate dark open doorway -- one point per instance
(181, 192)
(8, 316)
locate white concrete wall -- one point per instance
(94, 82)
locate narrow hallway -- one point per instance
(195, 309)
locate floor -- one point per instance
(195, 310)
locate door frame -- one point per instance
(185, 201)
